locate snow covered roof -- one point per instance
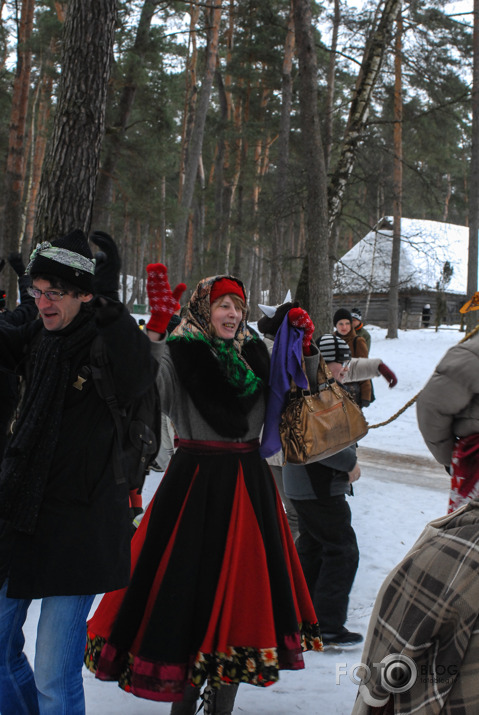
(425, 248)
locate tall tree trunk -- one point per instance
(115, 137)
(191, 91)
(328, 125)
(4, 57)
(15, 170)
(40, 132)
(472, 261)
(220, 181)
(393, 304)
(195, 144)
(67, 186)
(277, 283)
(227, 192)
(318, 299)
(367, 78)
(358, 113)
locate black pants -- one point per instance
(329, 555)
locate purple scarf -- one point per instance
(285, 365)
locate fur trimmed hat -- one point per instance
(333, 349)
(68, 258)
(270, 326)
(342, 314)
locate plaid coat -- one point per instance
(427, 611)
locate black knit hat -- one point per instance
(68, 258)
(270, 326)
(342, 314)
(334, 349)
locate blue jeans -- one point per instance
(56, 685)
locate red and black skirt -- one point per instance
(217, 591)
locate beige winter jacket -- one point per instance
(448, 405)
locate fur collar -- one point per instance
(214, 397)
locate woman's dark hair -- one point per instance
(59, 283)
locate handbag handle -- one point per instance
(330, 379)
(325, 380)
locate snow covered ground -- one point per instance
(388, 516)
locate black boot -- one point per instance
(187, 706)
(219, 701)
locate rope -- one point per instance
(413, 399)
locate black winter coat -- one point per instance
(23, 313)
(81, 544)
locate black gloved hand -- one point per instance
(106, 279)
(16, 262)
(2, 264)
(365, 403)
(107, 309)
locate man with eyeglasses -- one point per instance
(64, 521)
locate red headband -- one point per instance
(225, 286)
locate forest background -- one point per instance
(261, 138)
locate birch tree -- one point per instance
(393, 305)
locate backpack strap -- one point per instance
(102, 377)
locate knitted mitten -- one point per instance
(163, 301)
(388, 375)
(299, 318)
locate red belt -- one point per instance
(209, 447)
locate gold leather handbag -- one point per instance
(317, 426)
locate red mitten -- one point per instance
(299, 318)
(388, 374)
(178, 292)
(163, 301)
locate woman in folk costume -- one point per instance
(217, 592)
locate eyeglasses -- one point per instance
(52, 295)
(345, 363)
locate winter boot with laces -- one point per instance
(219, 701)
(187, 706)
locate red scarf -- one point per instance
(464, 472)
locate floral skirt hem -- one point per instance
(166, 682)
